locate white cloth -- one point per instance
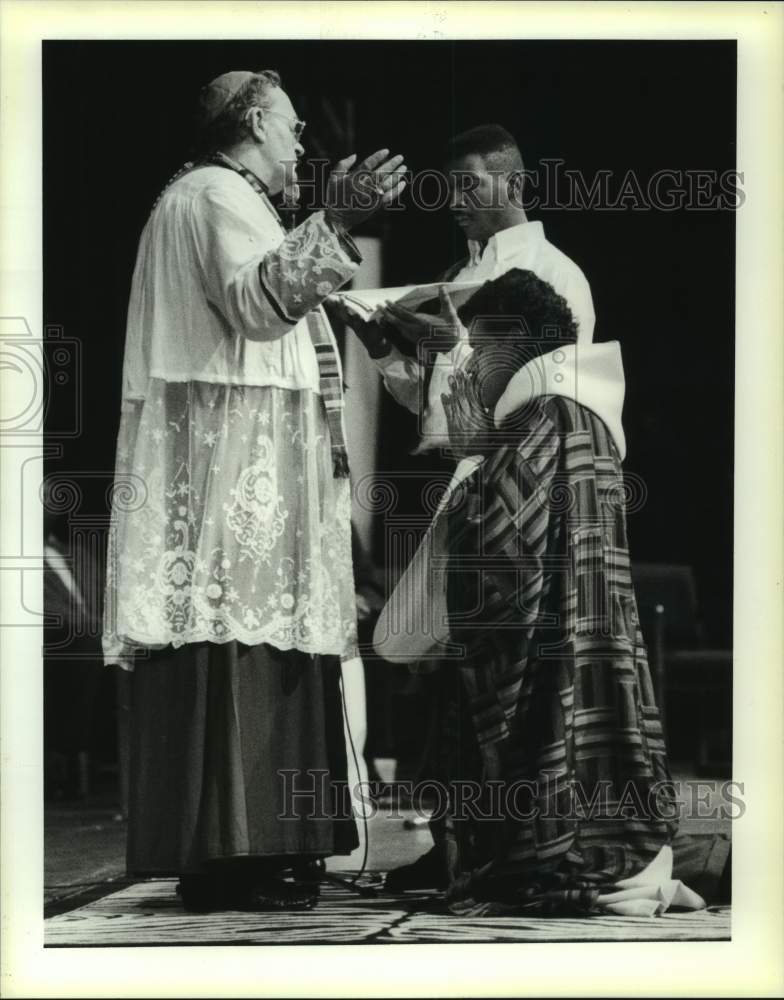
(198, 310)
(591, 374)
(523, 246)
(651, 892)
(227, 521)
(412, 627)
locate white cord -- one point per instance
(356, 767)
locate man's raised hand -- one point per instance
(370, 333)
(470, 425)
(415, 326)
(353, 195)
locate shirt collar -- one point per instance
(506, 242)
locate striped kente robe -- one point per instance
(555, 677)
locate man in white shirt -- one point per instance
(230, 590)
(485, 169)
(486, 183)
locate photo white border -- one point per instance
(751, 964)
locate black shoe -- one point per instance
(277, 895)
(427, 872)
(309, 872)
(208, 894)
(203, 893)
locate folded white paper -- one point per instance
(365, 301)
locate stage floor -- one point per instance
(149, 914)
(90, 902)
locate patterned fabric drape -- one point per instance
(555, 675)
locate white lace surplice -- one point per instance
(228, 523)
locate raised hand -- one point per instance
(353, 195)
(470, 425)
(370, 333)
(414, 326)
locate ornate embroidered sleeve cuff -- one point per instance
(348, 245)
(311, 263)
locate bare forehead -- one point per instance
(472, 163)
(280, 101)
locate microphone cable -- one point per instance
(361, 872)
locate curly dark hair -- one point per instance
(231, 126)
(522, 305)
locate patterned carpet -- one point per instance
(149, 913)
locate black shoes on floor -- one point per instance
(427, 872)
(257, 892)
(269, 894)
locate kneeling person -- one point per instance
(553, 710)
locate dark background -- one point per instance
(117, 125)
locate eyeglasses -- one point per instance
(297, 127)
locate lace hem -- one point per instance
(122, 652)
